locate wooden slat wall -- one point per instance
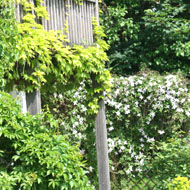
(78, 17)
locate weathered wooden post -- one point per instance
(33, 101)
(21, 98)
(101, 139)
(102, 148)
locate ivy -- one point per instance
(8, 39)
(44, 61)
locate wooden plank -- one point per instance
(47, 21)
(67, 3)
(102, 148)
(70, 22)
(97, 12)
(54, 13)
(76, 16)
(93, 1)
(33, 101)
(85, 23)
(81, 25)
(88, 22)
(62, 10)
(60, 15)
(76, 24)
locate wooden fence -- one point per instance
(77, 16)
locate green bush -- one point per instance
(8, 39)
(171, 160)
(151, 33)
(142, 111)
(34, 155)
(179, 183)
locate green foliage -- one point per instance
(151, 33)
(34, 155)
(172, 160)
(71, 111)
(44, 61)
(179, 183)
(141, 110)
(8, 39)
(7, 182)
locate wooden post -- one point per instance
(101, 139)
(33, 101)
(21, 98)
(102, 148)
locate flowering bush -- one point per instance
(142, 111)
(179, 183)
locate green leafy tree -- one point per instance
(152, 34)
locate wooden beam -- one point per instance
(93, 1)
(102, 148)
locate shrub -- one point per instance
(34, 155)
(8, 39)
(179, 183)
(142, 110)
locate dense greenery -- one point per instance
(171, 160)
(147, 114)
(179, 183)
(8, 39)
(143, 33)
(143, 112)
(44, 61)
(34, 155)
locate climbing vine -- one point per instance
(44, 61)
(8, 39)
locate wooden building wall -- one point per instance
(78, 17)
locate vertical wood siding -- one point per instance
(78, 17)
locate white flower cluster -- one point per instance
(141, 110)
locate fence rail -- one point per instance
(78, 17)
